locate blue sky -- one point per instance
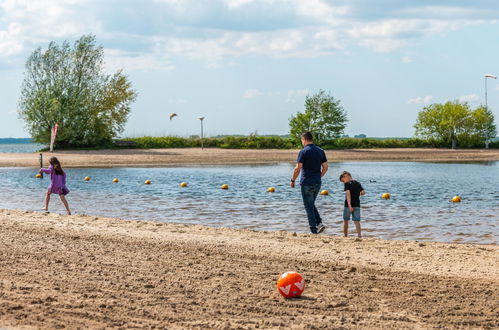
(247, 65)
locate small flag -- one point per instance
(52, 137)
(488, 75)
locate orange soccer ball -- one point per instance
(290, 285)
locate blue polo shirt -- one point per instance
(312, 157)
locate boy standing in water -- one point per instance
(353, 191)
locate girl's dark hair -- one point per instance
(344, 174)
(57, 165)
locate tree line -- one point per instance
(67, 84)
(452, 124)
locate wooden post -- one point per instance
(41, 162)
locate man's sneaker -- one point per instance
(320, 228)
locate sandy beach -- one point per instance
(171, 157)
(93, 272)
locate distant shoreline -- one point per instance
(15, 140)
(196, 156)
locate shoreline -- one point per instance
(190, 157)
(95, 272)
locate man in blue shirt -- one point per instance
(312, 163)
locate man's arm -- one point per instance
(296, 172)
(362, 192)
(325, 167)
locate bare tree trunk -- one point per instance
(453, 138)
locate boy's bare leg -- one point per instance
(65, 202)
(345, 228)
(47, 200)
(357, 227)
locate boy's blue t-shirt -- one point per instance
(312, 157)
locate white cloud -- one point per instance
(9, 41)
(421, 100)
(277, 44)
(171, 2)
(232, 4)
(451, 11)
(220, 30)
(407, 59)
(328, 41)
(60, 18)
(382, 45)
(294, 94)
(469, 98)
(252, 93)
(31, 23)
(320, 10)
(389, 34)
(135, 61)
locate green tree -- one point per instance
(484, 123)
(67, 85)
(324, 117)
(455, 123)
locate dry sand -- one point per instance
(93, 272)
(160, 157)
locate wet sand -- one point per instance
(163, 157)
(93, 272)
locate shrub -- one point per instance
(277, 142)
(228, 142)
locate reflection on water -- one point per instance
(419, 208)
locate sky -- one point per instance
(247, 65)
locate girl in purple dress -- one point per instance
(57, 183)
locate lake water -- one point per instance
(20, 147)
(419, 208)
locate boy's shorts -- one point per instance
(355, 214)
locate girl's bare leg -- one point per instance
(65, 202)
(47, 200)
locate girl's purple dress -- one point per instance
(57, 182)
